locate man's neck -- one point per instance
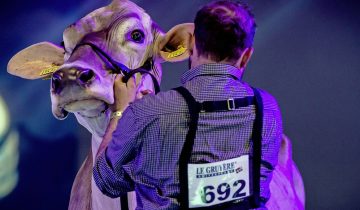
(202, 60)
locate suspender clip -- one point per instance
(230, 104)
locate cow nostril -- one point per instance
(86, 76)
(56, 82)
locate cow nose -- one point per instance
(85, 77)
(75, 76)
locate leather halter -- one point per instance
(119, 68)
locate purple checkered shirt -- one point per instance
(144, 152)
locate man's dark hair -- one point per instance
(223, 29)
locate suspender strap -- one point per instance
(185, 154)
(256, 138)
(227, 105)
(124, 202)
(209, 106)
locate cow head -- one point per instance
(82, 77)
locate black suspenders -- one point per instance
(257, 137)
(124, 202)
(185, 154)
(194, 109)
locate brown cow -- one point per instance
(83, 84)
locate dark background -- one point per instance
(306, 55)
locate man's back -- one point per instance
(158, 125)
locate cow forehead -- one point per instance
(101, 19)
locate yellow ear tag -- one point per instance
(49, 71)
(181, 50)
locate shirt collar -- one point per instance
(211, 69)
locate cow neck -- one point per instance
(97, 128)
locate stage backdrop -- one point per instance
(306, 55)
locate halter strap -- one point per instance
(119, 68)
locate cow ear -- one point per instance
(37, 61)
(175, 45)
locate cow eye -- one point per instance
(137, 36)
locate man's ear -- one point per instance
(37, 61)
(175, 45)
(244, 58)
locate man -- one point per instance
(147, 152)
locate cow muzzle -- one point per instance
(81, 90)
(63, 77)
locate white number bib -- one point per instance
(215, 183)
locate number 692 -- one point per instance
(223, 191)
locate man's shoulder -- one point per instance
(166, 102)
(269, 101)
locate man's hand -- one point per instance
(124, 93)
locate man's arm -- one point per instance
(112, 168)
(117, 148)
(124, 93)
(108, 135)
(272, 136)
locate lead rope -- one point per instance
(143, 71)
